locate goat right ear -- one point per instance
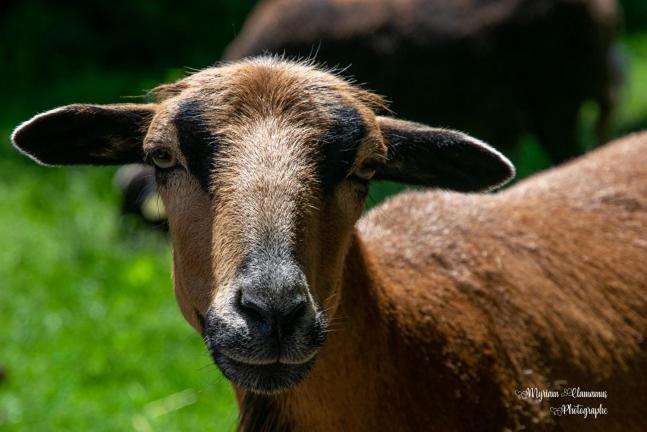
(443, 158)
(86, 134)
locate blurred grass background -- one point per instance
(90, 334)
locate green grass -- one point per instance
(91, 337)
(633, 109)
(90, 334)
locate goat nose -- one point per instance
(273, 317)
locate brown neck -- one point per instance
(340, 377)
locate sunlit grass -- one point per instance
(92, 338)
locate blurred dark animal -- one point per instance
(492, 68)
(441, 311)
(136, 182)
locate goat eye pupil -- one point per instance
(163, 159)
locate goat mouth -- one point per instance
(268, 362)
(264, 377)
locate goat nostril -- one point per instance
(293, 314)
(258, 314)
(252, 308)
(277, 317)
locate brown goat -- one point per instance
(442, 310)
(495, 69)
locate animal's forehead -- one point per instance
(222, 107)
(264, 85)
(267, 85)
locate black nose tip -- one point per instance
(273, 317)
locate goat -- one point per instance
(437, 310)
(496, 69)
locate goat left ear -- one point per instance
(86, 134)
(426, 156)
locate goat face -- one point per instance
(263, 167)
(277, 162)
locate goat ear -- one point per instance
(426, 156)
(86, 134)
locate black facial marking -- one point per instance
(196, 142)
(339, 146)
(200, 319)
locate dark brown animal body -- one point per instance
(453, 303)
(495, 69)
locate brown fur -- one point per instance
(540, 283)
(451, 302)
(442, 305)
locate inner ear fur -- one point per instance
(443, 158)
(84, 134)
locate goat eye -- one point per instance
(365, 172)
(163, 159)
